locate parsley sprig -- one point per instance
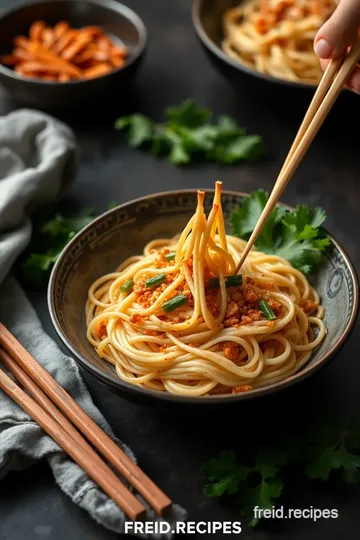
(325, 453)
(295, 236)
(188, 133)
(49, 239)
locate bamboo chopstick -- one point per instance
(81, 452)
(102, 442)
(328, 90)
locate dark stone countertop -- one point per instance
(169, 447)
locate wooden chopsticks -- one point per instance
(329, 88)
(46, 392)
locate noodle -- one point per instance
(172, 319)
(276, 36)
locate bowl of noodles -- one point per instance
(269, 39)
(148, 299)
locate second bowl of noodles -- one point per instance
(268, 39)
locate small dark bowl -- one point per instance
(207, 18)
(119, 233)
(117, 20)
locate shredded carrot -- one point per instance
(63, 53)
(21, 54)
(76, 46)
(54, 62)
(117, 61)
(97, 71)
(60, 28)
(22, 42)
(48, 38)
(64, 41)
(36, 30)
(64, 77)
(8, 60)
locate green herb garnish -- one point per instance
(230, 281)
(155, 281)
(174, 303)
(295, 236)
(320, 454)
(49, 239)
(127, 286)
(225, 475)
(267, 311)
(188, 133)
(170, 256)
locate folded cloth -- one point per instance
(38, 161)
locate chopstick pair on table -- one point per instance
(328, 90)
(44, 406)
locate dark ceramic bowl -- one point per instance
(119, 233)
(207, 18)
(117, 20)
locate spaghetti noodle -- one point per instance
(177, 319)
(276, 36)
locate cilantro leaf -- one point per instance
(264, 495)
(187, 133)
(242, 148)
(178, 154)
(139, 126)
(228, 127)
(37, 265)
(49, 239)
(188, 114)
(295, 236)
(245, 217)
(224, 473)
(60, 227)
(200, 139)
(321, 451)
(258, 485)
(323, 458)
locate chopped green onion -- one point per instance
(234, 281)
(230, 281)
(127, 286)
(267, 311)
(174, 303)
(155, 281)
(170, 256)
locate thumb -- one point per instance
(340, 31)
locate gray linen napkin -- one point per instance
(38, 161)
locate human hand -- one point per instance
(337, 34)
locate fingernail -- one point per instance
(323, 49)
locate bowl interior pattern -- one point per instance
(124, 231)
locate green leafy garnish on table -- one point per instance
(49, 239)
(226, 476)
(189, 133)
(293, 235)
(329, 451)
(260, 483)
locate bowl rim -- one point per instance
(215, 49)
(123, 386)
(110, 5)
